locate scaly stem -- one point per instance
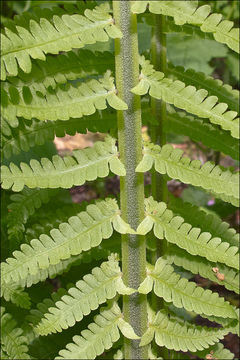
(132, 185)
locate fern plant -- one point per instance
(138, 255)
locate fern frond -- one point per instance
(183, 293)
(80, 233)
(100, 336)
(178, 122)
(24, 205)
(176, 231)
(60, 69)
(35, 132)
(186, 97)
(203, 267)
(61, 33)
(61, 104)
(189, 12)
(215, 87)
(178, 335)
(208, 176)
(84, 165)
(94, 289)
(14, 293)
(197, 217)
(12, 341)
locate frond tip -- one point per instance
(84, 165)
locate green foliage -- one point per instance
(13, 341)
(183, 293)
(176, 231)
(180, 335)
(178, 122)
(100, 336)
(63, 103)
(186, 97)
(82, 232)
(95, 288)
(215, 87)
(61, 33)
(35, 132)
(57, 80)
(22, 207)
(189, 12)
(170, 161)
(14, 293)
(200, 265)
(84, 165)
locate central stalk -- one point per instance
(132, 185)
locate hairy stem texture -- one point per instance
(132, 185)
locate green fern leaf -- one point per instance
(35, 132)
(12, 292)
(95, 289)
(100, 336)
(62, 103)
(180, 335)
(186, 97)
(198, 217)
(168, 160)
(59, 70)
(183, 293)
(84, 165)
(80, 233)
(215, 87)
(189, 12)
(12, 339)
(61, 33)
(178, 122)
(203, 267)
(176, 231)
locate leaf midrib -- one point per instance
(83, 28)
